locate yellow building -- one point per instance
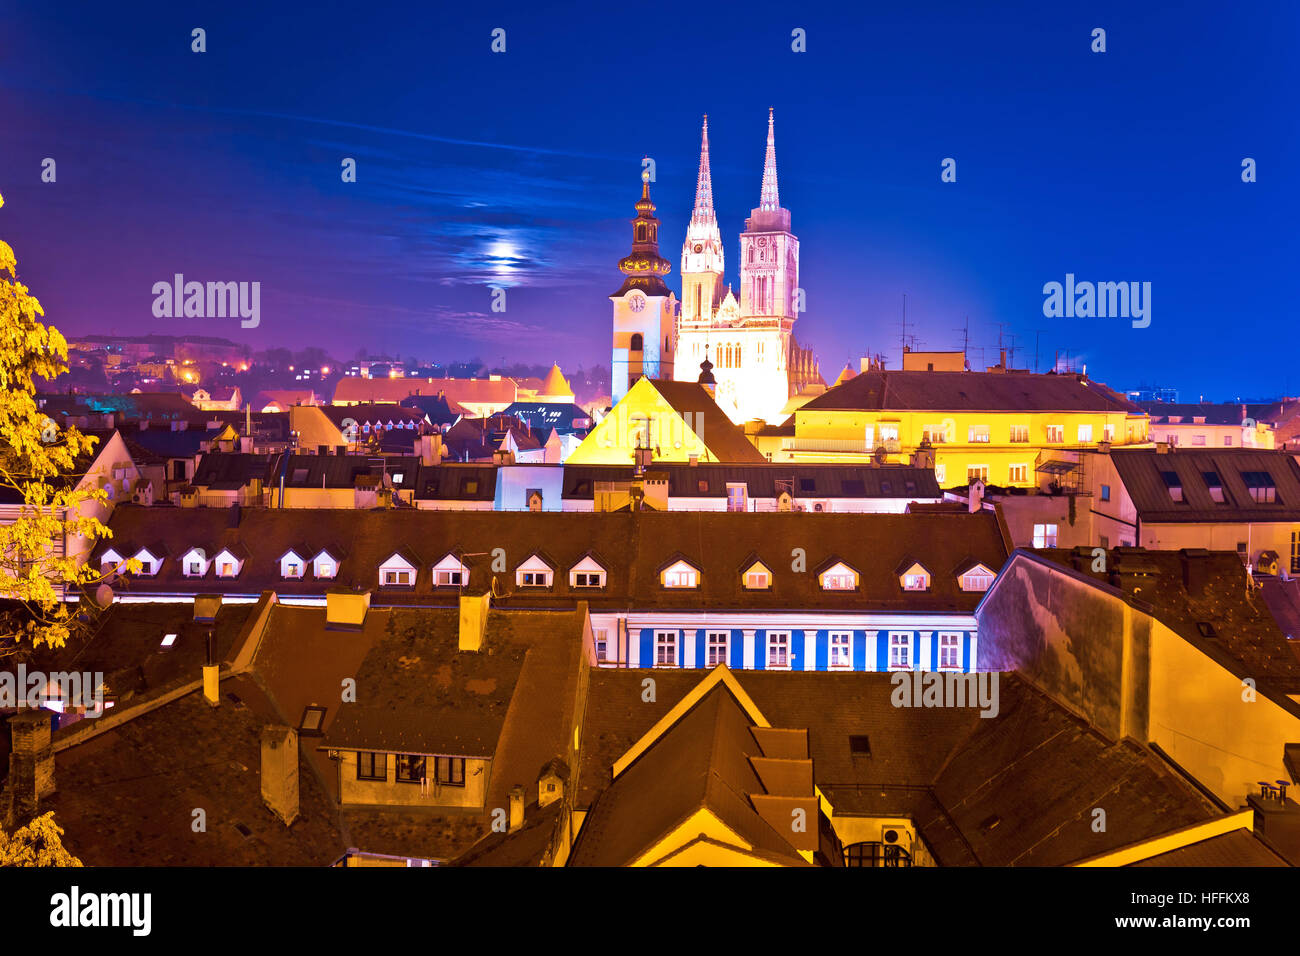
(1005, 428)
(677, 421)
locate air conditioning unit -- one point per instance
(896, 835)
(819, 506)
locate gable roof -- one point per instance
(724, 439)
(970, 391)
(1142, 471)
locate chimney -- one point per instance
(1196, 570)
(232, 518)
(346, 610)
(280, 771)
(31, 766)
(206, 607)
(550, 783)
(473, 620)
(516, 808)
(1162, 448)
(975, 496)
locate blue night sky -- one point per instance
(520, 169)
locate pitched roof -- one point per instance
(501, 391)
(970, 391)
(1143, 471)
(702, 762)
(766, 480)
(1017, 788)
(633, 546)
(724, 439)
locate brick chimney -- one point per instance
(31, 766)
(1196, 570)
(280, 771)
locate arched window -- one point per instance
(699, 302)
(637, 342)
(640, 233)
(751, 254)
(737, 356)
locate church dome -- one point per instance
(706, 371)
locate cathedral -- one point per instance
(745, 345)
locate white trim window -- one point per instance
(841, 650)
(586, 574)
(194, 563)
(450, 572)
(949, 652)
(1055, 434)
(1045, 535)
(149, 563)
(717, 647)
(324, 566)
(292, 567)
(665, 648)
(978, 578)
(601, 640)
(1018, 473)
(778, 650)
(228, 566)
(900, 650)
(1019, 434)
(839, 577)
(680, 575)
(534, 573)
(757, 578)
(915, 578)
(1085, 433)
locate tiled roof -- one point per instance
(633, 546)
(971, 391)
(460, 390)
(725, 440)
(1017, 788)
(1242, 633)
(1237, 848)
(1143, 472)
(710, 480)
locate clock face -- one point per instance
(636, 303)
(762, 241)
(698, 247)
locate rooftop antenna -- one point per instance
(903, 335)
(1037, 334)
(965, 339)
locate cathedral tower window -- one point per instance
(637, 342)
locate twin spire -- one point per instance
(769, 199)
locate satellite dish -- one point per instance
(880, 456)
(103, 595)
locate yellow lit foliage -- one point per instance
(36, 462)
(37, 844)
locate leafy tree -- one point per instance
(38, 462)
(37, 844)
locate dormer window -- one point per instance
(839, 577)
(587, 574)
(397, 572)
(915, 578)
(325, 566)
(534, 573)
(978, 578)
(292, 566)
(450, 572)
(1214, 485)
(680, 575)
(1260, 485)
(757, 578)
(149, 562)
(227, 564)
(194, 563)
(109, 561)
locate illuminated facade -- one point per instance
(645, 310)
(756, 361)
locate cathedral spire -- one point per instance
(704, 186)
(770, 200)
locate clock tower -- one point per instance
(645, 310)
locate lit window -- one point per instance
(900, 651)
(977, 473)
(949, 652)
(934, 434)
(916, 582)
(1085, 433)
(1044, 536)
(717, 648)
(680, 575)
(1019, 434)
(756, 580)
(665, 648)
(838, 580)
(940, 473)
(1018, 473)
(977, 579)
(168, 640)
(978, 433)
(778, 649)
(602, 644)
(325, 569)
(1108, 432)
(1056, 433)
(841, 648)
(410, 768)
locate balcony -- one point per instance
(875, 853)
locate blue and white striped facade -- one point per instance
(788, 640)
